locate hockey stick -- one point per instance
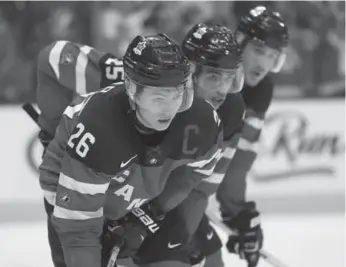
(271, 259)
(264, 254)
(32, 112)
(113, 257)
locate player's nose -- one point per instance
(167, 112)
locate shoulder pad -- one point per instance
(74, 66)
(232, 113)
(260, 97)
(51, 56)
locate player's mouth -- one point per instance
(257, 72)
(164, 121)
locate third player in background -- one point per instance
(263, 37)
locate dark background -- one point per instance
(315, 66)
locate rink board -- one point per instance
(298, 182)
(301, 158)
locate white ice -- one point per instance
(314, 241)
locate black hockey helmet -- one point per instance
(212, 45)
(266, 27)
(156, 61)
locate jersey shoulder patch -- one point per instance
(60, 54)
(99, 137)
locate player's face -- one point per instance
(157, 107)
(258, 61)
(213, 84)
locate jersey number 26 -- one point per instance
(85, 140)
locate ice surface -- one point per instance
(311, 241)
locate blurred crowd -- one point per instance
(315, 65)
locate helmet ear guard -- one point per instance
(130, 88)
(187, 98)
(238, 82)
(280, 61)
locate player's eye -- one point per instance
(229, 77)
(259, 50)
(178, 95)
(158, 100)
(213, 77)
(272, 56)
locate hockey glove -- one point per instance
(130, 231)
(45, 139)
(248, 238)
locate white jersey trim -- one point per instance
(80, 187)
(81, 64)
(54, 56)
(63, 213)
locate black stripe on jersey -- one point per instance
(221, 166)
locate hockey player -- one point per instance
(217, 77)
(263, 36)
(65, 70)
(115, 149)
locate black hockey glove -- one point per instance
(130, 231)
(45, 139)
(248, 238)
